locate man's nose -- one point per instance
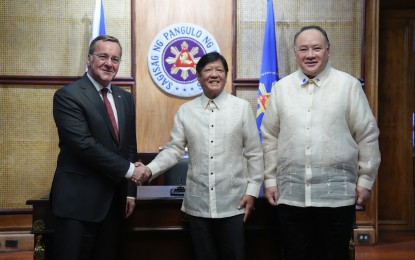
(214, 73)
(109, 61)
(310, 53)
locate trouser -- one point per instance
(82, 240)
(316, 233)
(221, 238)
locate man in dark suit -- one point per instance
(97, 142)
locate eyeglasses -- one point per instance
(104, 57)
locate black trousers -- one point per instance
(215, 239)
(82, 240)
(316, 233)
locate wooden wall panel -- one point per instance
(155, 108)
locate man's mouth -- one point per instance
(310, 62)
(214, 82)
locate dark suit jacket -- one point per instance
(91, 164)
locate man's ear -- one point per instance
(89, 60)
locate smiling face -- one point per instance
(311, 52)
(212, 78)
(101, 65)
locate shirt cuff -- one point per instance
(367, 184)
(154, 170)
(130, 171)
(270, 183)
(253, 190)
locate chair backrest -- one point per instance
(176, 175)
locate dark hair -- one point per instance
(104, 38)
(208, 58)
(310, 27)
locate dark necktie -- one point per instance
(110, 112)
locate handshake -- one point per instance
(141, 174)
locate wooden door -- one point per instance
(396, 108)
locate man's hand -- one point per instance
(362, 196)
(271, 193)
(129, 208)
(247, 202)
(141, 174)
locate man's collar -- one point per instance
(219, 100)
(318, 80)
(98, 86)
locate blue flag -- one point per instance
(98, 20)
(269, 68)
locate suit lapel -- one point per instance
(92, 94)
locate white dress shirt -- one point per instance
(110, 97)
(320, 138)
(225, 155)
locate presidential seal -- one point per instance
(173, 56)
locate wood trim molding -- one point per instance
(234, 38)
(55, 80)
(367, 219)
(371, 53)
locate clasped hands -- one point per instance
(141, 174)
